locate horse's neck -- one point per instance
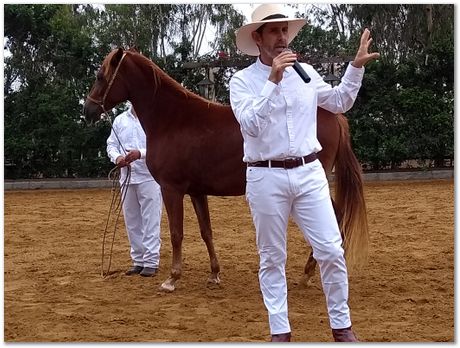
(171, 89)
(163, 101)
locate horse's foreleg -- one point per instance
(200, 204)
(174, 203)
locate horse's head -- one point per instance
(108, 90)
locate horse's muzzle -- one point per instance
(92, 111)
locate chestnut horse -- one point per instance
(195, 147)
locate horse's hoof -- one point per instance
(213, 281)
(168, 286)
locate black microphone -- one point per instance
(299, 70)
(302, 73)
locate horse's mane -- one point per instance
(160, 77)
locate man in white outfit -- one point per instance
(142, 204)
(276, 111)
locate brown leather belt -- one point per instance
(287, 163)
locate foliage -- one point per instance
(47, 73)
(404, 109)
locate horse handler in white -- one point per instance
(143, 203)
(276, 111)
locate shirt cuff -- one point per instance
(354, 74)
(143, 153)
(268, 89)
(113, 156)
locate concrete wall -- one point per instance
(105, 183)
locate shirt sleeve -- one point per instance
(251, 110)
(113, 146)
(341, 98)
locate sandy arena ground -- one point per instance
(53, 290)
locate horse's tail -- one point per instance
(349, 199)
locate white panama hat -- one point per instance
(265, 13)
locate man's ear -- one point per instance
(256, 37)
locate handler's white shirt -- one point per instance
(279, 120)
(132, 137)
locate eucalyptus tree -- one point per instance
(144, 26)
(160, 30)
(170, 34)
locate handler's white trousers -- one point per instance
(303, 192)
(142, 208)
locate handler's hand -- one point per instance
(132, 156)
(363, 56)
(281, 62)
(121, 162)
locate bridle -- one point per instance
(102, 101)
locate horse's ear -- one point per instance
(117, 57)
(134, 48)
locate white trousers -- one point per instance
(142, 212)
(273, 195)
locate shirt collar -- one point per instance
(262, 66)
(130, 114)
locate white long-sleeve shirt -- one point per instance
(279, 120)
(132, 137)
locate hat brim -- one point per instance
(245, 42)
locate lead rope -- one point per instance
(117, 199)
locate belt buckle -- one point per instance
(258, 164)
(290, 163)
